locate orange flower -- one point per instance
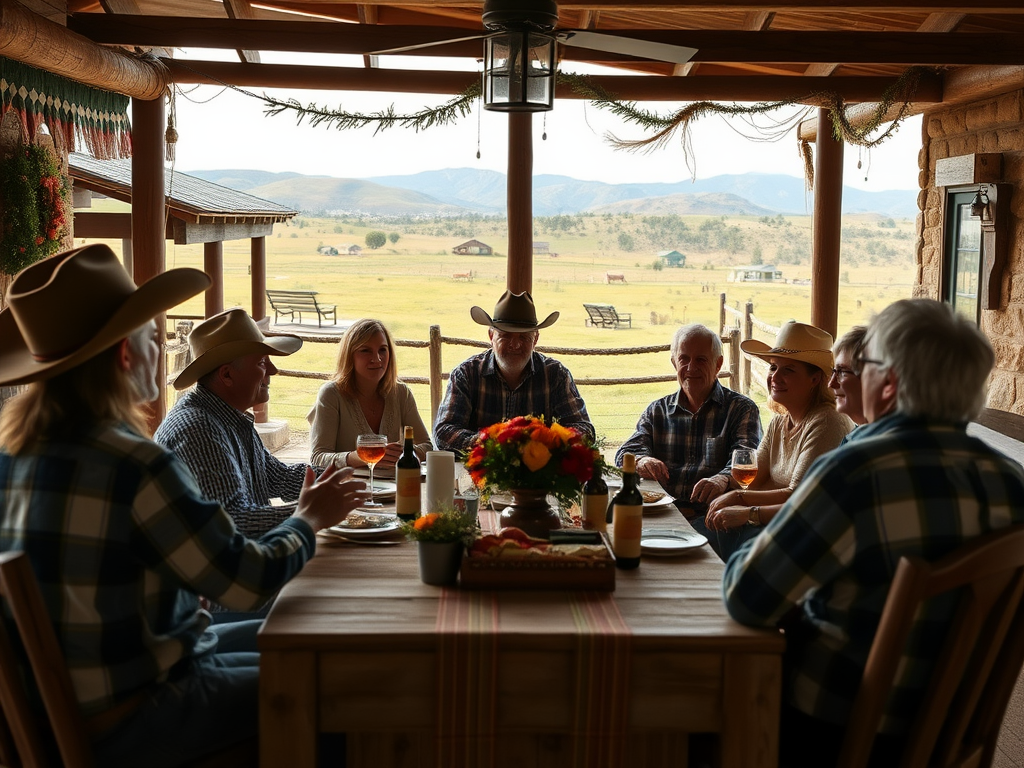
(422, 523)
(563, 433)
(535, 455)
(545, 435)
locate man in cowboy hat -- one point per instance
(114, 526)
(510, 379)
(910, 482)
(211, 430)
(685, 440)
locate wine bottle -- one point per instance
(595, 502)
(407, 481)
(627, 517)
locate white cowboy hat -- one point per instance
(796, 341)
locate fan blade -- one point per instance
(431, 44)
(628, 46)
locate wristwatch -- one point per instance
(754, 516)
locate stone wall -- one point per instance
(992, 125)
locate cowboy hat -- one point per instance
(796, 341)
(514, 313)
(66, 309)
(228, 336)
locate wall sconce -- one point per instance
(979, 205)
(519, 71)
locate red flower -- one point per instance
(40, 240)
(579, 462)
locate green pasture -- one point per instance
(409, 286)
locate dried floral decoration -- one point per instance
(36, 207)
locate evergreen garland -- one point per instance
(36, 204)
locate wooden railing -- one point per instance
(744, 323)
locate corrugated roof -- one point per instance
(185, 193)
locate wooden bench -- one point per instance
(294, 303)
(605, 316)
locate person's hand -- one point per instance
(726, 518)
(704, 491)
(327, 500)
(732, 498)
(391, 456)
(652, 468)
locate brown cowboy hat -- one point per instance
(66, 309)
(228, 336)
(796, 341)
(514, 313)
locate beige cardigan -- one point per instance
(337, 420)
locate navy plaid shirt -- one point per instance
(901, 486)
(478, 397)
(121, 541)
(222, 448)
(668, 431)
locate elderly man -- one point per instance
(685, 440)
(910, 482)
(510, 379)
(210, 429)
(115, 527)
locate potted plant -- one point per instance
(440, 537)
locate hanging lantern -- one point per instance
(519, 71)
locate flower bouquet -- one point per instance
(440, 538)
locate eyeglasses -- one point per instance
(861, 361)
(842, 374)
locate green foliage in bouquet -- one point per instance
(448, 525)
(36, 206)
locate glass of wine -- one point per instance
(371, 449)
(744, 466)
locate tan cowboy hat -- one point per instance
(228, 336)
(66, 309)
(514, 313)
(796, 341)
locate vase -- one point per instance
(531, 513)
(439, 562)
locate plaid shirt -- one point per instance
(478, 396)
(121, 542)
(668, 431)
(222, 448)
(901, 486)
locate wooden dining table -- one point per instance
(431, 677)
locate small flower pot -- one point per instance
(439, 562)
(531, 513)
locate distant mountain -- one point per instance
(459, 191)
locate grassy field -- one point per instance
(408, 285)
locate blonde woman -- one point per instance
(805, 426)
(364, 396)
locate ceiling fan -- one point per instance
(519, 52)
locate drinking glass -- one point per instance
(371, 449)
(744, 466)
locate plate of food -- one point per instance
(366, 525)
(670, 542)
(656, 501)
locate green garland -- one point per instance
(36, 203)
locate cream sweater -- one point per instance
(785, 453)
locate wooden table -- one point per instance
(423, 676)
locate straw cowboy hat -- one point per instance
(66, 309)
(514, 313)
(228, 336)
(796, 341)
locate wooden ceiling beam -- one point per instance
(628, 87)
(242, 9)
(368, 15)
(711, 6)
(770, 47)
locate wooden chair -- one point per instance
(23, 732)
(960, 717)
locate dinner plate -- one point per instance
(660, 504)
(382, 490)
(367, 533)
(670, 542)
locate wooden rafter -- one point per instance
(242, 9)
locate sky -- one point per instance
(219, 128)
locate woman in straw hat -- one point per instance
(805, 426)
(364, 396)
(114, 527)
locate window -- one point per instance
(963, 257)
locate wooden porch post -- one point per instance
(826, 227)
(213, 265)
(148, 215)
(520, 202)
(258, 283)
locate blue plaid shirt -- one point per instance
(121, 542)
(668, 431)
(901, 486)
(478, 396)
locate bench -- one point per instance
(605, 316)
(293, 303)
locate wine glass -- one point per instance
(744, 466)
(371, 449)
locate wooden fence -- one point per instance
(753, 371)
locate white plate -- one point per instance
(366, 533)
(664, 501)
(381, 490)
(667, 543)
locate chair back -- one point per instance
(28, 731)
(961, 714)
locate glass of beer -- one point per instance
(371, 449)
(744, 466)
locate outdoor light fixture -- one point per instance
(979, 205)
(519, 57)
